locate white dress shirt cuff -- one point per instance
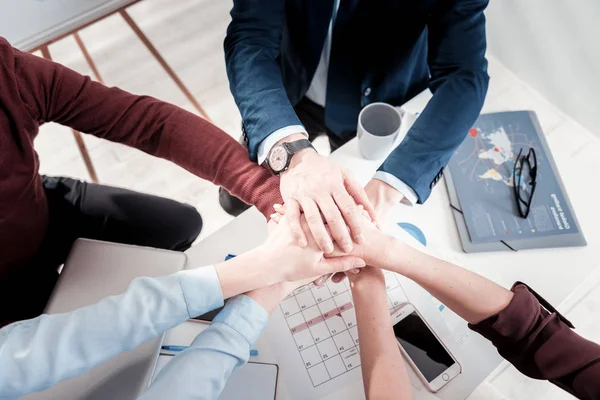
(201, 290)
(410, 197)
(267, 144)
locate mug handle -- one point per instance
(408, 119)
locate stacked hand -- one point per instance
(325, 193)
(328, 225)
(372, 250)
(288, 262)
(328, 197)
(279, 266)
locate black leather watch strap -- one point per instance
(297, 145)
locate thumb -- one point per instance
(341, 264)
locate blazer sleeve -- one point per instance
(540, 343)
(252, 47)
(459, 81)
(54, 93)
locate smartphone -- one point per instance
(424, 351)
(209, 316)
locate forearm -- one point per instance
(471, 296)
(187, 140)
(244, 273)
(269, 297)
(214, 354)
(38, 353)
(214, 155)
(56, 93)
(252, 47)
(437, 133)
(249, 273)
(459, 81)
(535, 339)
(383, 369)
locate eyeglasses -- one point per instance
(525, 167)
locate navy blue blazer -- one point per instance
(385, 51)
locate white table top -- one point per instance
(554, 273)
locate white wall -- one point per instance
(553, 45)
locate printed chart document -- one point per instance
(481, 181)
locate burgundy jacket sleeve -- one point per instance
(540, 343)
(52, 92)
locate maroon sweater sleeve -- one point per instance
(540, 343)
(52, 92)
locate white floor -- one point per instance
(189, 34)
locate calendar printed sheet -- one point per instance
(322, 322)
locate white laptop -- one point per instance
(95, 270)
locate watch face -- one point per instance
(277, 158)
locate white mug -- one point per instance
(378, 128)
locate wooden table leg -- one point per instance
(85, 155)
(77, 135)
(163, 63)
(87, 57)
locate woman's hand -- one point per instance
(284, 261)
(369, 276)
(373, 249)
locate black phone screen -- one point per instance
(422, 346)
(209, 316)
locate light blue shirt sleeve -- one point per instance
(37, 353)
(201, 371)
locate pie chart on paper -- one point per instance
(414, 231)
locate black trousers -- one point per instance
(85, 210)
(312, 117)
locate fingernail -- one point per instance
(355, 271)
(336, 279)
(276, 206)
(328, 247)
(274, 215)
(302, 243)
(358, 264)
(359, 238)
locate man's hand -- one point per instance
(383, 197)
(316, 186)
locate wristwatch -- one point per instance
(281, 155)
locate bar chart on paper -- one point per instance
(322, 323)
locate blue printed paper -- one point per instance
(482, 172)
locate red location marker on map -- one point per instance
(473, 132)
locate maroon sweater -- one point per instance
(34, 91)
(539, 342)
